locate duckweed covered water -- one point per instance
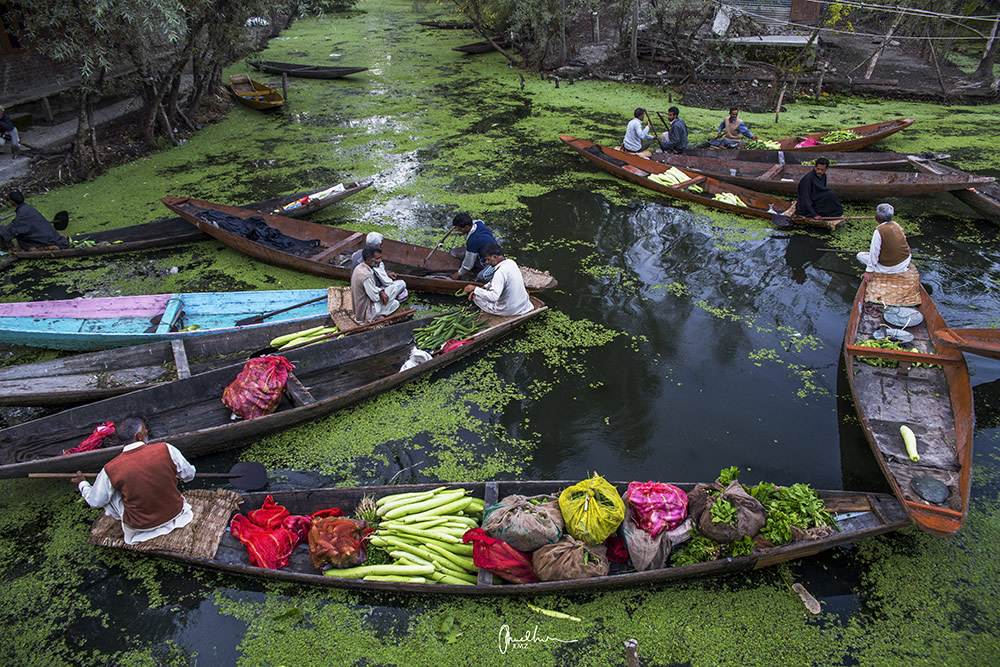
(680, 341)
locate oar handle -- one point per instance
(257, 319)
(440, 243)
(71, 475)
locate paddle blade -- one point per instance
(250, 476)
(256, 319)
(779, 220)
(61, 220)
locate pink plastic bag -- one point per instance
(656, 506)
(806, 143)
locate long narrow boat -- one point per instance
(92, 376)
(984, 342)
(934, 402)
(448, 25)
(176, 230)
(870, 134)
(638, 170)
(847, 183)
(984, 199)
(857, 515)
(851, 160)
(326, 251)
(305, 71)
(117, 321)
(254, 94)
(189, 414)
(485, 46)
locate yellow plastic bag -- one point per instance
(592, 509)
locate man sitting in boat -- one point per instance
(139, 486)
(816, 200)
(637, 138)
(369, 298)
(889, 251)
(675, 139)
(29, 228)
(385, 278)
(734, 129)
(505, 293)
(477, 237)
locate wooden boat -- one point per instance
(858, 515)
(857, 183)
(485, 46)
(95, 375)
(254, 94)
(448, 25)
(984, 199)
(176, 230)
(305, 71)
(422, 269)
(870, 134)
(102, 323)
(851, 160)
(637, 170)
(984, 342)
(936, 403)
(189, 414)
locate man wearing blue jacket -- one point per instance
(477, 237)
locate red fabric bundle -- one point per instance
(500, 558)
(656, 506)
(270, 533)
(617, 549)
(257, 390)
(454, 344)
(93, 440)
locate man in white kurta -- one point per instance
(889, 252)
(504, 294)
(369, 298)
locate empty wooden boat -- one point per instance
(448, 25)
(851, 160)
(857, 516)
(638, 170)
(984, 199)
(847, 183)
(325, 250)
(984, 342)
(254, 94)
(485, 46)
(934, 402)
(305, 71)
(189, 414)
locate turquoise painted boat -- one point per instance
(102, 323)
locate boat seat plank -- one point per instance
(903, 473)
(337, 248)
(297, 392)
(773, 171)
(171, 313)
(490, 497)
(180, 359)
(688, 183)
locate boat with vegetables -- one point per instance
(92, 376)
(847, 183)
(176, 230)
(984, 199)
(838, 159)
(428, 538)
(327, 251)
(921, 386)
(189, 414)
(848, 139)
(688, 185)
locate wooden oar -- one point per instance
(919, 258)
(257, 319)
(440, 243)
(656, 134)
(780, 220)
(247, 475)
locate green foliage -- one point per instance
(722, 511)
(729, 475)
(323, 7)
(778, 528)
(698, 549)
(800, 502)
(762, 492)
(741, 547)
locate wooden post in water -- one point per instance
(632, 653)
(284, 85)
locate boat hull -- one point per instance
(306, 71)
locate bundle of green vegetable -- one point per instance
(301, 338)
(887, 344)
(422, 532)
(838, 136)
(810, 163)
(672, 177)
(761, 144)
(457, 325)
(729, 198)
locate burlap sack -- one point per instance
(645, 552)
(523, 524)
(570, 558)
(751, 515)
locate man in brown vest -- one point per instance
(889, 251)
(731, 131)
(139, 486)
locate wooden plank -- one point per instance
(490, 497)
(297, 392)
(773, 171)
(899, 355)
(180, 359)
(688, 183)
(337, 248)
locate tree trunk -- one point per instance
(562, 31)
(885, 40)
(633, 56)
(92, 131)
(81, 135)
(985, 70)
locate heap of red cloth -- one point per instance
(93, 440)
(272, 532)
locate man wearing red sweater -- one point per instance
(139, 486)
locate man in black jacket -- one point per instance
(816, 200)
(29, 228)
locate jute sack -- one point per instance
(570, 558)
(524, 524)
(751, 515)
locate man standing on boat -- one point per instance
(505, 293)
(889, 251)
(139, 486)
(637, 138)
(385, 278)
(29, 228)
(477, 237)
(816, 200)
(369, 298)
(675, 139)
(734, 129)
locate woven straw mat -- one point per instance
(895, 289)
(200, 538)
